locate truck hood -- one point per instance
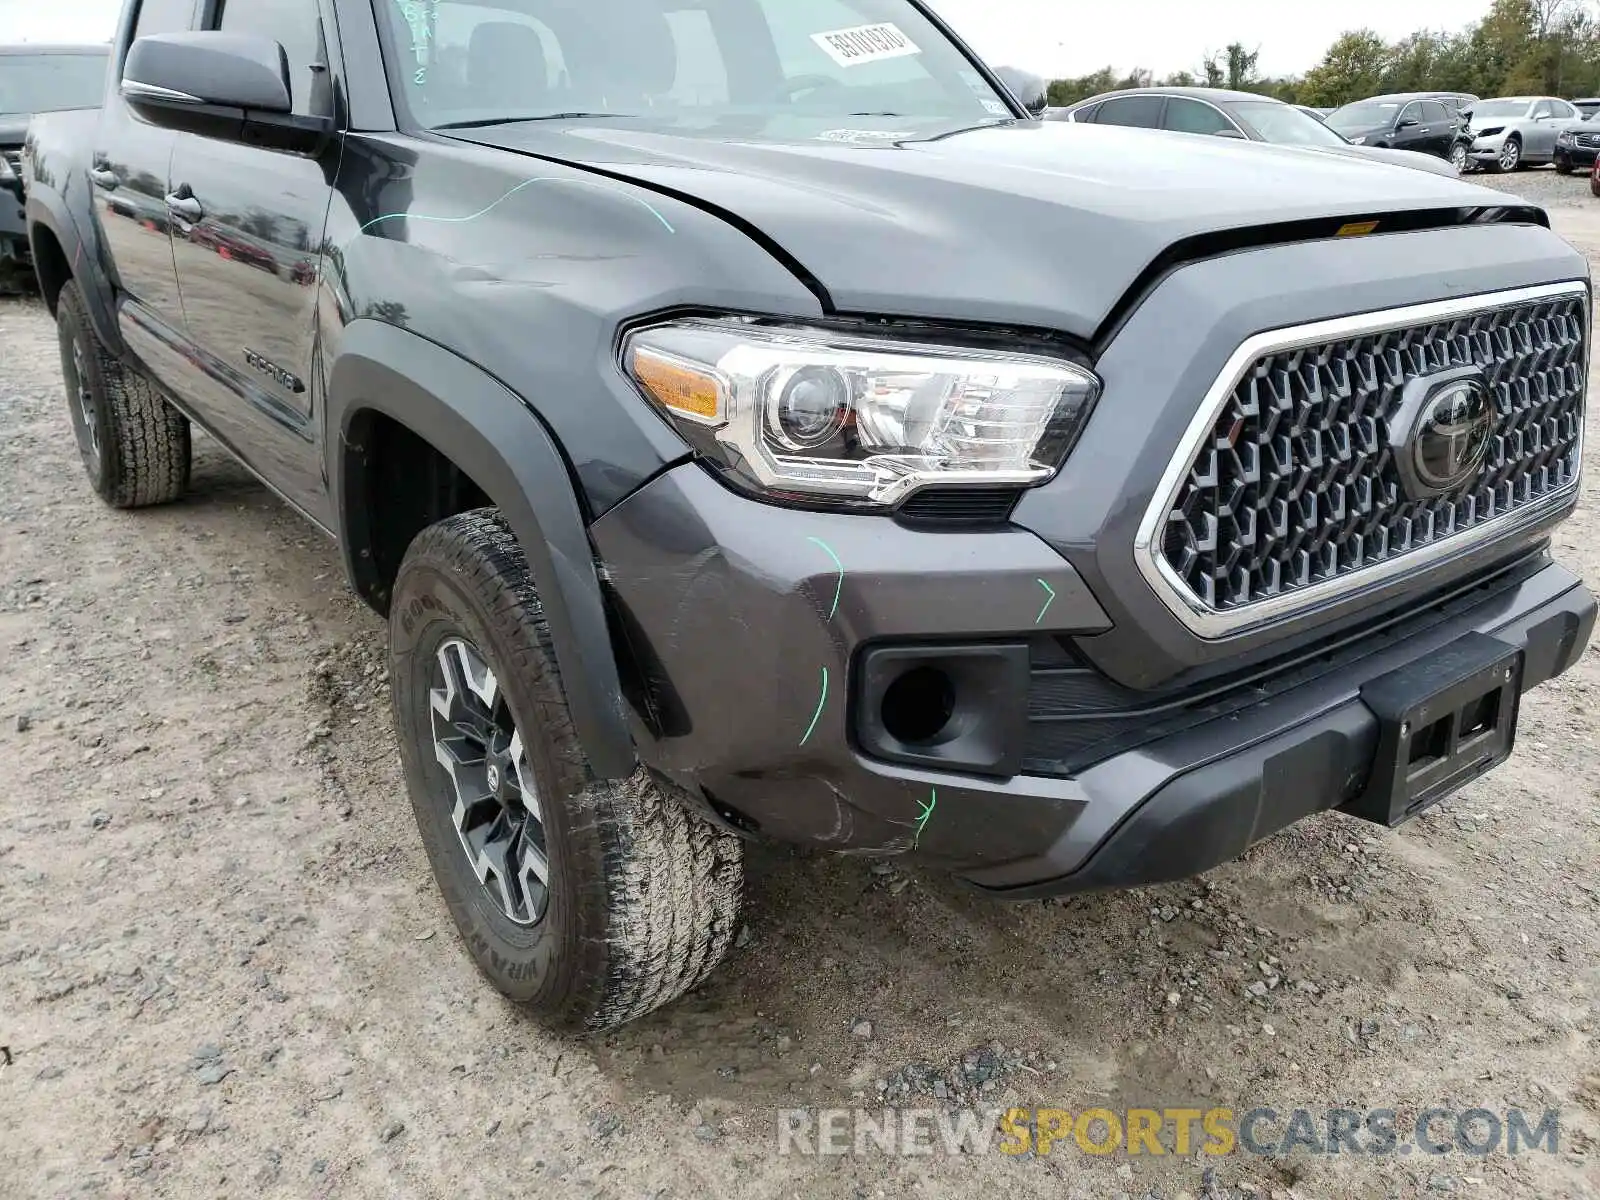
(1039, 224)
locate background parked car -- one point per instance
(1231, 114)
(1512, 132)
(1577, 145)
(1320, 114)
(1588, 106)
(1430, 122)
(35, 79)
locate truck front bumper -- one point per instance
(758, 641)
(16, 263)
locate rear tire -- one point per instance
(135, 446)
(639, 899)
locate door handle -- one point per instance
(103, 178)
(186, 207)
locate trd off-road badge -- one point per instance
(1440, 435)
(286, 380)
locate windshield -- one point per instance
(1285, 124)
(862, 65)
(1499, 108)
(36, 83)
(1366, 115)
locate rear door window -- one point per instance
(1192, 116)
(1143, 112)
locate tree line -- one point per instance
(1520, 47)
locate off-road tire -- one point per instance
(643, 894)
(141, 445)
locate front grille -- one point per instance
(1294, 484)
(1589, 139)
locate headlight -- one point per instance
(1490, 132)
(1565, 136)
(816, 415)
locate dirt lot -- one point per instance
(224, 969)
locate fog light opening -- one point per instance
(918, 706)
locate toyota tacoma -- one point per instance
(753, 423)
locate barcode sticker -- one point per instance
(865, 43)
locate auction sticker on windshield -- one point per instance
(865, 43)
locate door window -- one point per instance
(296, 25)
(1411, 112)
(1191, 116)
(1434, 113)
(1143, 112)
(1543, 109)
(164, 16)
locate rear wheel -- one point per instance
(134, 445)
(591, 901)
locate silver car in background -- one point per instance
(1516, 131)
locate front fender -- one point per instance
(497, 440)
(61, 202)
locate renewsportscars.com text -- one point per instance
(1160, 1131)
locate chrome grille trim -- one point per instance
(1213, 624)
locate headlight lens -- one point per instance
(1564, 136)
(861, 421)
(1491, 131)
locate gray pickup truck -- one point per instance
(753, 423)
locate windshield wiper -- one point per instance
(485, 122)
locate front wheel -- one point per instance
(134, 444)
(1510, 158)
(590, 901)
(1563, 166)
(1460, 159)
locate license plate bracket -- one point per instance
(1443, 721)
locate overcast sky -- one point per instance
(1052, 37)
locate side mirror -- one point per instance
(1029, 89)
(1407, 123)
(223, 85)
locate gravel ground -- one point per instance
(1542, 186)
(225, 970)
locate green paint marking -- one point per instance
(527, 183)
(927, 811)
(822, 701)
(838, 588)
(1048, 602)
